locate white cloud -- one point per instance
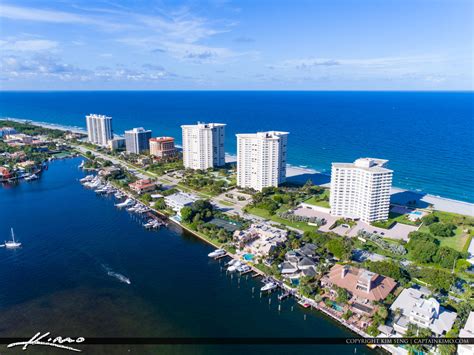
(30, 45)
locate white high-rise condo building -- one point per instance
(137, 140)
(361, 190)
(261, 159)
(203, 145)
(99, 129)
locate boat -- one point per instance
(243, 268)
(126, 203)
(284, 295)
(232, 262)
(80, 166)
(234, 266)
(86, 179)
(304, 304)
(119, 277)
(12, 244)
(269, 286)
(119, 195)
(216, 253)
(31, 177)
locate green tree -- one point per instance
(343, 295)
(340, 247)
(429, 219)
(187, 214)
(160, 204)
(442, 229)
(146, 198)
(422, 246)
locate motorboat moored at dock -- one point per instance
(216, 253)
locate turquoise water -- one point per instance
(64, 278)
(428, 137)
(248, 257)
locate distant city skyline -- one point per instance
(236, 45)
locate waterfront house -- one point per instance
(416, 307)
(26, 164)
(467, 332)
(300, 262)
(259, 239)
(112, 171)
(142, 186)
(364, 285)
(180, 200)
(4, 173)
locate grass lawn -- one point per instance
(457, 242)
(392, 218)
(298, 225)
(188, 189)
(321, 200)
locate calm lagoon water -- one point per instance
(58, 280)
(427, 136)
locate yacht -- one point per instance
(234, 266)
(12, 244)
(126, 203)
(243, 268)
(216, 253)
(86, 179)
(232, 262)
(31, 177)
(80, 166)
(269, 286)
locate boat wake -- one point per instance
(116, 275)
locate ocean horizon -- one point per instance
(426, 135)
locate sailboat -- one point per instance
(12, 244)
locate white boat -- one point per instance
(31, 177)
(216, 253)
(126, 203)
(269, 286)
(80, 166)
(232, 262)
(243, 268)
(12, 244)
(118, 195)
(119, 277)
(86, 179)
(234, 266)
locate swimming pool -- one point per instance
(248, 257)
(416, 213)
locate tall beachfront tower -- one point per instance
(361, 189)
(203, 145)
(99, 129)
(137, 140)
(261, 159)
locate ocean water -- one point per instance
(58, 280)
(427, 136)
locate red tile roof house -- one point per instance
(4, 173)
(143, 185)
(363, 284)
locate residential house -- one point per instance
(260, 239)
(142, 186)
(300, 262)
(467, 332)
(416, 307)
(180, 200)
(362, 284)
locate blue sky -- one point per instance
(225, 44)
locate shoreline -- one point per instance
(399, 195)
